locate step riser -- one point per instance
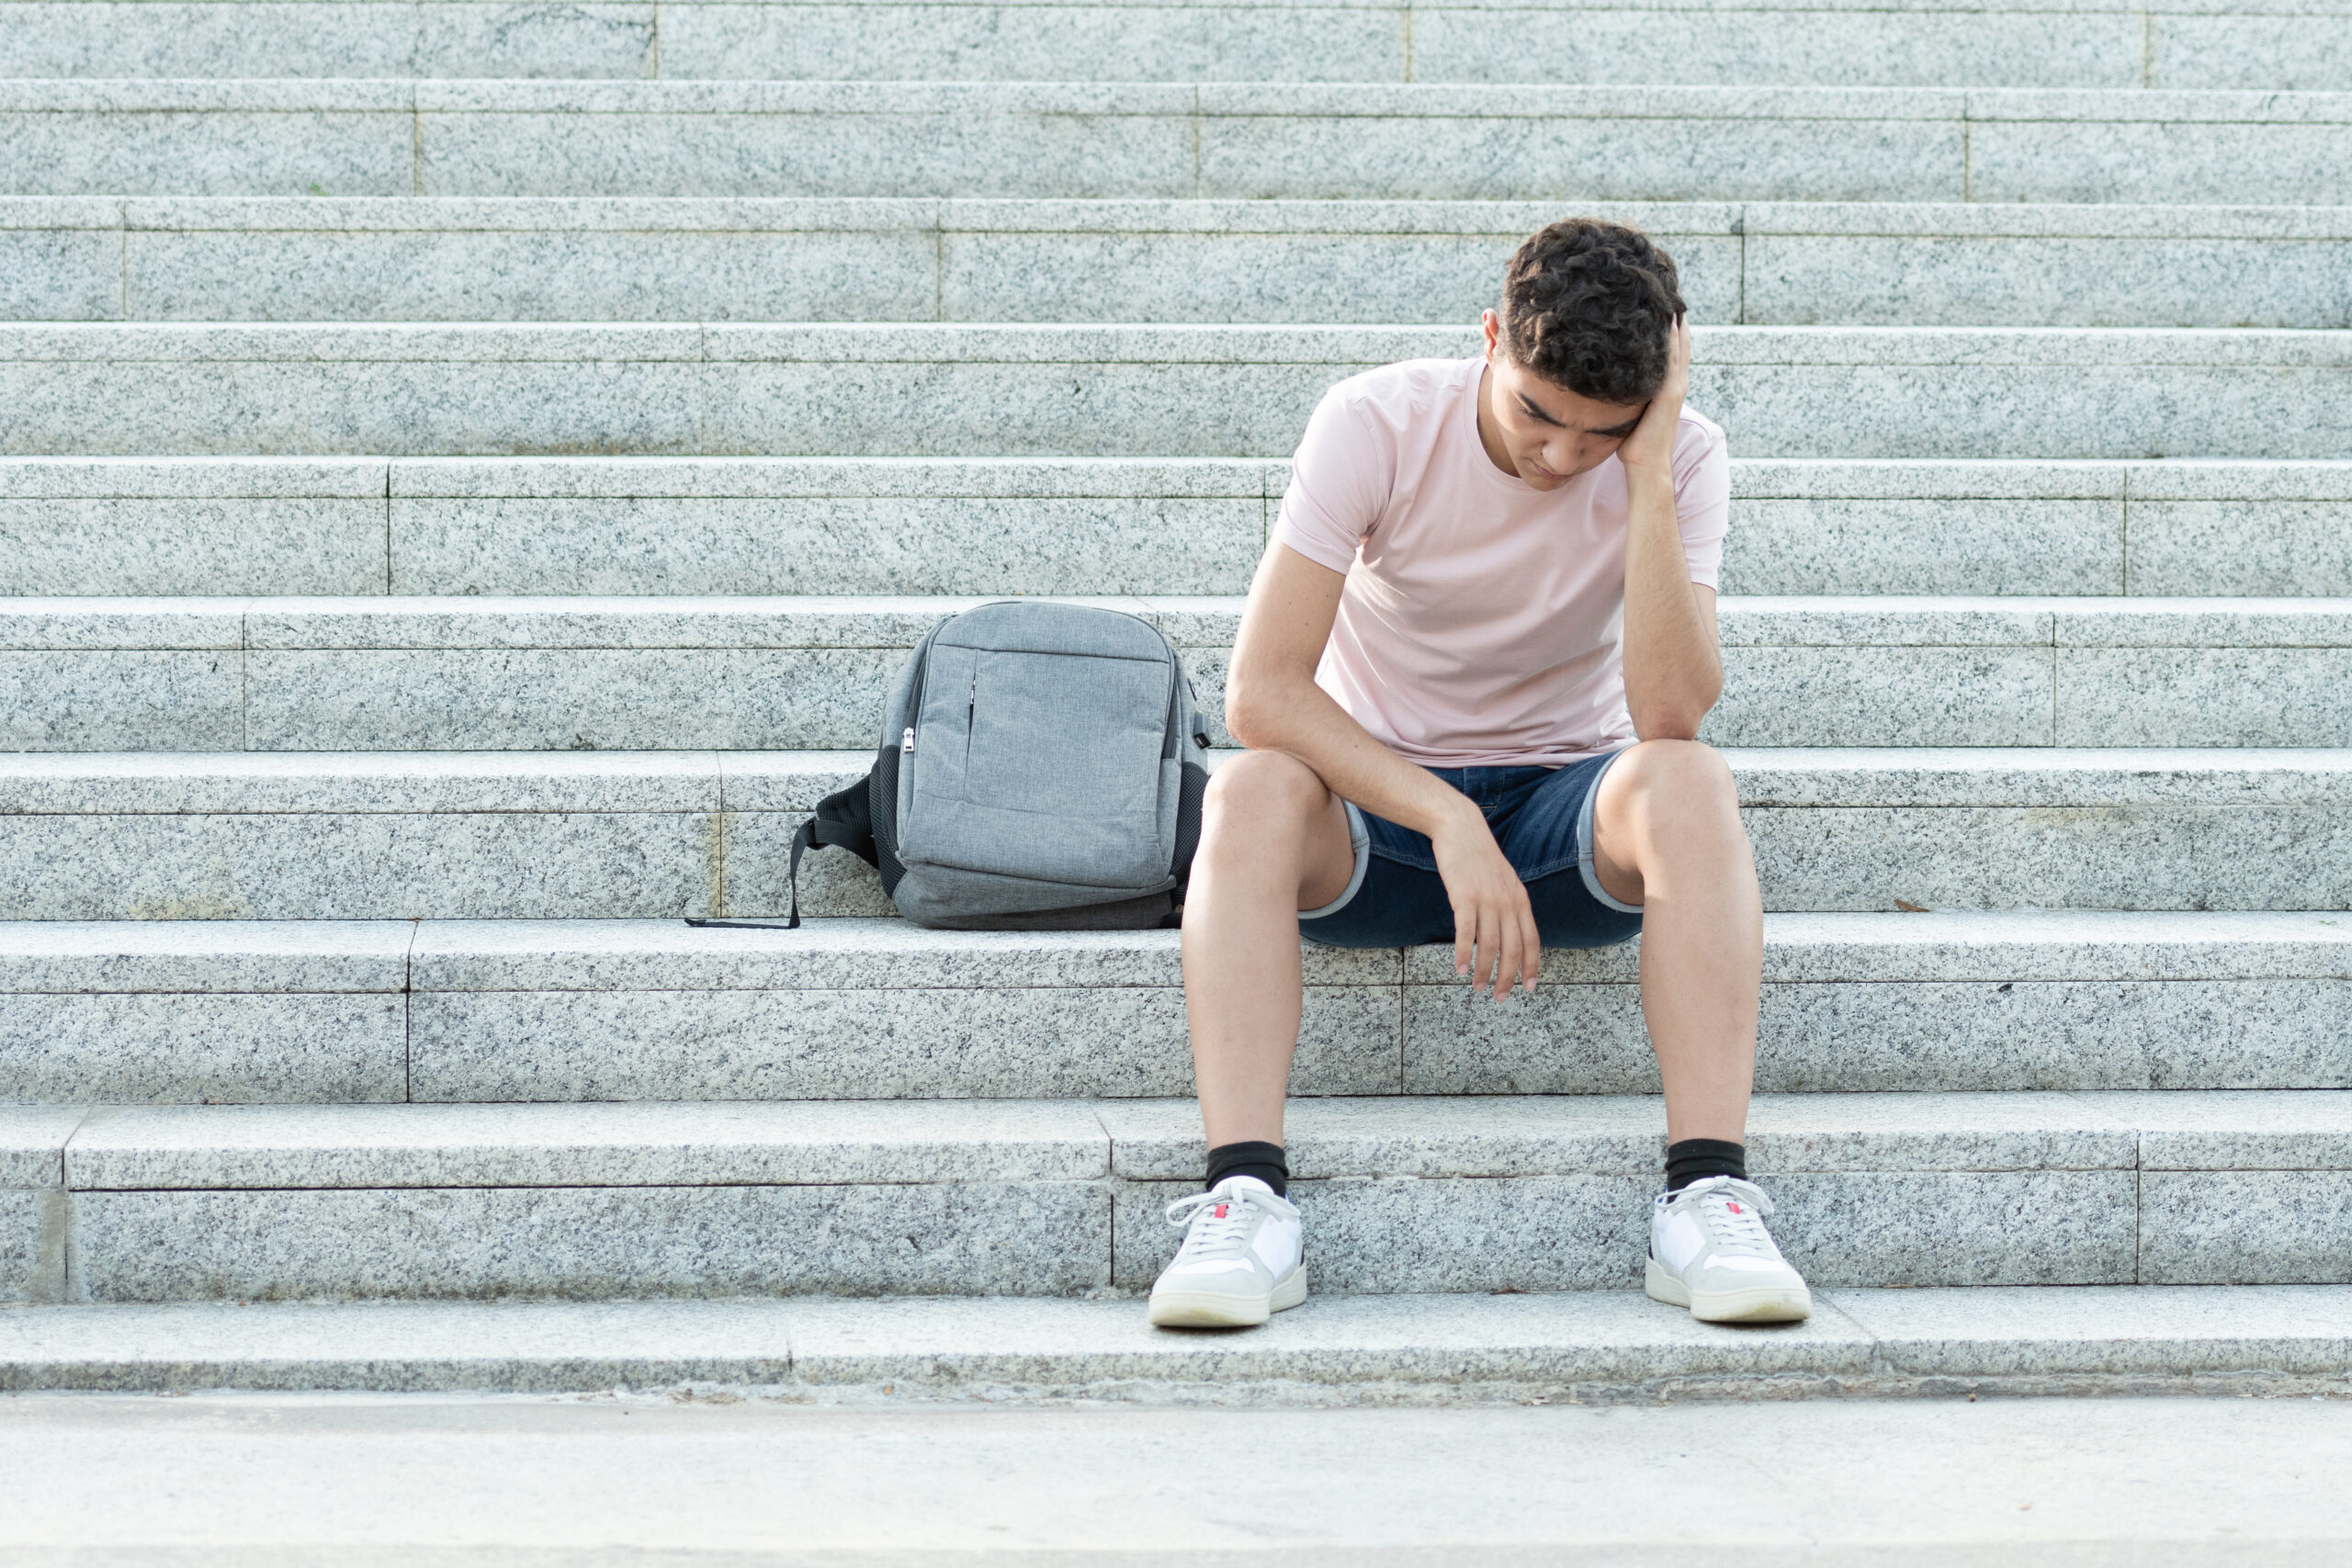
(2142, 546)
(1060, 1042)
(897, 274)
(909, 273)
(787, 699)
(254, 1049)
(963, 407)
(1045, 1198)
(72, 37)
(33, 1224)
(1242, 142)
(1555, 1232)
(2066, 49)
(355, 529)
(542, 863)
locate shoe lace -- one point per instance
(1211, 1235)
(1732, 1210)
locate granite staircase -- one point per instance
(467, 470)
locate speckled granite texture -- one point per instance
(2065, 46)
(2214, 1033)
(275, 1049)
(562, 835)
(984, 1239)
(1897, 546)
(32, 1244)
(452, 137)
(32, 1143)
(1176, 259)
(749, 674)
(720, 258)
(121, 700)
(1590, 1232)
(2044, 280)
(2146, 857)
(59, 276)
(2014, 1333)
(439, 38)
(783, 526)
(34, 1218)
(1204, 391)
(849, 544)
(211, 1012)
(1062, 1195)
(2255, 1228)
(471, 469)
(638, 1144)
(1444, 1345)
(943, 1041)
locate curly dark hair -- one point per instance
(1589, 305)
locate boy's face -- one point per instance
(1538, 429)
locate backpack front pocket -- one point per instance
(1043, 766)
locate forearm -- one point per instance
(1283, 712)
(1673, 672)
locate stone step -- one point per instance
(1449, 1348)
(2267, 46)
(632, 674)
(558, 525)
(308, 259)
(456, 1012)
(946, 389)
(1058, 1198)
(448, 137)
(573, 835)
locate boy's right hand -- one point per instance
(1494, 926)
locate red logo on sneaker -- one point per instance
(1220, 1210)
(1734, 1208)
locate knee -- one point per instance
(1677, 780)
(1258, 796)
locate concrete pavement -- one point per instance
(283, 1480)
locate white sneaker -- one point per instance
(1709, 1251)
(1242, 1261)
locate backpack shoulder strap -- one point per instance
(844, 820)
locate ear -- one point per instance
(1492, 326)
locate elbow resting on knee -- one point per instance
(1246, 717)
(1668, 726)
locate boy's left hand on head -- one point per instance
(1651, 446)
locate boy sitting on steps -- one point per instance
(1470, 677)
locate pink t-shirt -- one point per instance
(1482, 619)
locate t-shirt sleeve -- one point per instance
(1702, 497)
(1340, 482)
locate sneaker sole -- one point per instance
(1209, 1309)
(1763, 1303)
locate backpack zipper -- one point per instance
(971, 714)
(922, 682)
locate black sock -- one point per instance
(1693, 1159)
(1263, 1161)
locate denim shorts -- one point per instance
(1541, 818)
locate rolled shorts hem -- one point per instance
(1584, 843)
(1360, 841)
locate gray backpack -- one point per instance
(1041, 768)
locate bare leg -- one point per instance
(1666, 835)
(1274, 842)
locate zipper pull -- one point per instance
(907, 742)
